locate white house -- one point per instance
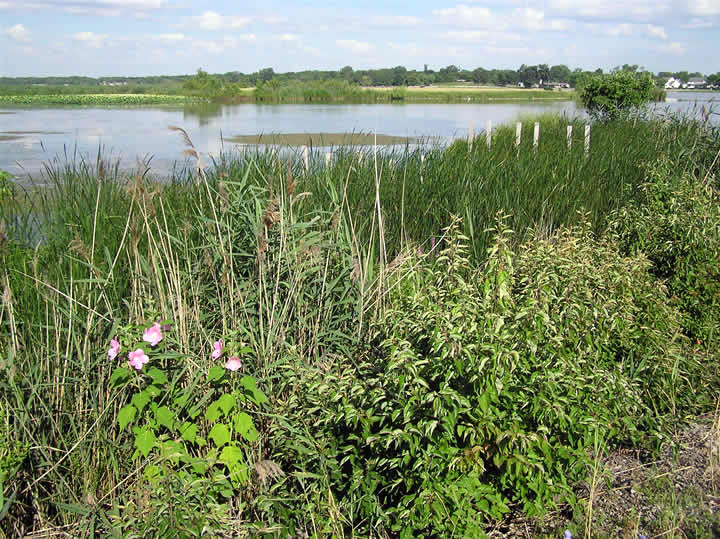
(672, 84)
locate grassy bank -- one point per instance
(426, 340)
(93, 99)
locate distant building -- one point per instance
(696, 83)
(673, 84)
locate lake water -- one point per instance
(32, 136)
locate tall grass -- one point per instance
(296, 263)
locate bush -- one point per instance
(606, 97)
(676, 223)
(485, 389)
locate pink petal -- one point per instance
(233, 363)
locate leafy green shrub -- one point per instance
(606, 97)
(484, 389)
(675, 222)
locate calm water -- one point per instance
(32, 136)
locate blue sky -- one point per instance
(152, 37)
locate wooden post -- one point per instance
(587, 140)
(360, 158)
(536, 135)
(518, 134)
(471, 135)
(569, 136)
(489, 134)
(306, 162)
(328, 157)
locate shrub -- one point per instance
(607, 97)
(484, 389)
(675, 222)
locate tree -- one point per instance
(607, 97)
(560, 73)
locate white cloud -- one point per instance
(18, 33)
(288, 37)
(675, 48)
(656, 31)
(91, 38)
(227, 43)
(169, 38)
(102, 8)
(395, 20)
(210, 20)
(466, 15)
(704, 7)
(697, 24)
(611, 9)
(357, 47)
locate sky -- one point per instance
(162, 37)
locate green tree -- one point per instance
(610, 96)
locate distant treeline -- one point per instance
(395, 76)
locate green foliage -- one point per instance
(174, 413)
(6, 187)
(485, 388)
(675, 222)
(607, 97)
(91, 100)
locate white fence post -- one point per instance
(536, 135)
(422, 166)
(471, 136)
(518, 134)
(489, 134)
(587, 140)
(569, 136)
(328, 157)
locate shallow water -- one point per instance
(32, 136)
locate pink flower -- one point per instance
(233, 363)
(153, 334)
(137, 359)
(217, 352)
(114, 349)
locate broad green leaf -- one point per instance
(119, 376)
(213, 412)
(158, 376)
(231, 454)
(140, 400)
(232, 457)
(165, 417)
(226, 402)
(249, 383)
(220, 434)
(153, 391)
(215, 373)
(244, 425)
(145, 441)
(188, 431)
(126, 415)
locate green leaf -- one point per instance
(126, 415)
(140, 400)
(249, 383)
(244, 425)
(145, 441)
(231, 454)
(226, 402)
(215, 373)
(220, 434)
(165, 417)
(119, 376)
(213, 412)
(153, 473)
(158, 376)
(188, 431)
(153, 391)
(232, 457)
